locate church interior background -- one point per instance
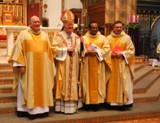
(141, 21)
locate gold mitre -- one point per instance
(67, 16)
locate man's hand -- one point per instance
(70, 49)
(22, 69)
(81, 39)
(113, 54)
(116, 54)
(91, 52)
(119, 54)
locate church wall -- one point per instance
(69, 4)
(53, 12)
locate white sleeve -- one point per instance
(62, 54)
(124, 57)
(99, 55)
(16, 64)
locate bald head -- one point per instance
(35, 23)
(33, 18)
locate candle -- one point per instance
(129, 18)
(137, 19)
(133, 18)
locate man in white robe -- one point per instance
(66, 47)
(96, 68)
(34, 71)
(119, 87)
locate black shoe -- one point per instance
(118, 108)
(122, 108)
(21, 114)
(95, 107)
(127, 107)
(32, 116)
(107, 106)
(86, 107)
(42, 115)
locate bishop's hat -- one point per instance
(67, 16)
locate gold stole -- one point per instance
(93, 72)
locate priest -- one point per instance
(34, 71)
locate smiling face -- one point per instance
(117, 28)
(69, 27)
(35, 23)
(93, 29)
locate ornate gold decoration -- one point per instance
(15, 34)
(7, 17)
(19, 15)
(16, 1)
(50, 34)
(7, 1)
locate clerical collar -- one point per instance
(36, 33)
(93, 34)
(68, 35)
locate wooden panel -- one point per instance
(98, 17)
(96, 13)
(77, 14)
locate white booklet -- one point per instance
(92, 46)
(124, 57)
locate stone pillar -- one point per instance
(131, 8)
(118, 10)
(121, 10)
(109, 11)
(109, 15)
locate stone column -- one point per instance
(118, 10)
(109, 11)
(121, 10)
(131, 8)
(109, 15)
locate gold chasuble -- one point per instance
(34, 52)
(118, 87)
(95, 73)
(68, 68)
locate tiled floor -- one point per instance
(148, 120)
(138, 112)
